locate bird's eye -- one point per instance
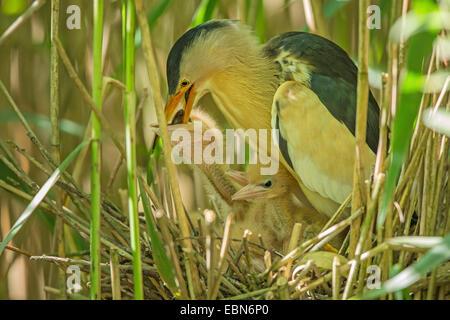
(184, 83)
(268, 184)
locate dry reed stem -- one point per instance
(159, 288)
(338, 213)
(365, 233)
(58, 240)
(342, 270)
(35, 6)
(30, 158)
(23, 252)
(20, 173)
(223, 255)
(115, 274)
(30, 133)
(249, 295)
(336, 278)
(87, 97)
(293, 243)
(245, 239)
(358, 195)
(172, 172)
(69, 217)
(325, 235)
(210, 218)
(314, 17)
(268, 265)
(162, 223)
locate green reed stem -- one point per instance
(130, 145)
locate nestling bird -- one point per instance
(265, 205)
(275, 208)
(217, 185)
(300, 83)
(220, 186)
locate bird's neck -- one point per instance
(280, 212)
(245, 92)
(282, 205)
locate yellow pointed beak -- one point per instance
(173, 103)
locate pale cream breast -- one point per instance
(321, 148)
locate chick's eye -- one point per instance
(184, 83)
(268, 184)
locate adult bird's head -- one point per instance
(221, 57)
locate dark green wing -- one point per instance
(328, 71)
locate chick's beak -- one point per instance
(250, 192)
(174, 101)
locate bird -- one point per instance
(265, 205)
(218, 186)
(275, 208)
(299, 83)
(220, 183)
(325, 163)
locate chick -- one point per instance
(217, 185)
(266, 205)
(274, 207)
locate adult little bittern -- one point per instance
(315, 110)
